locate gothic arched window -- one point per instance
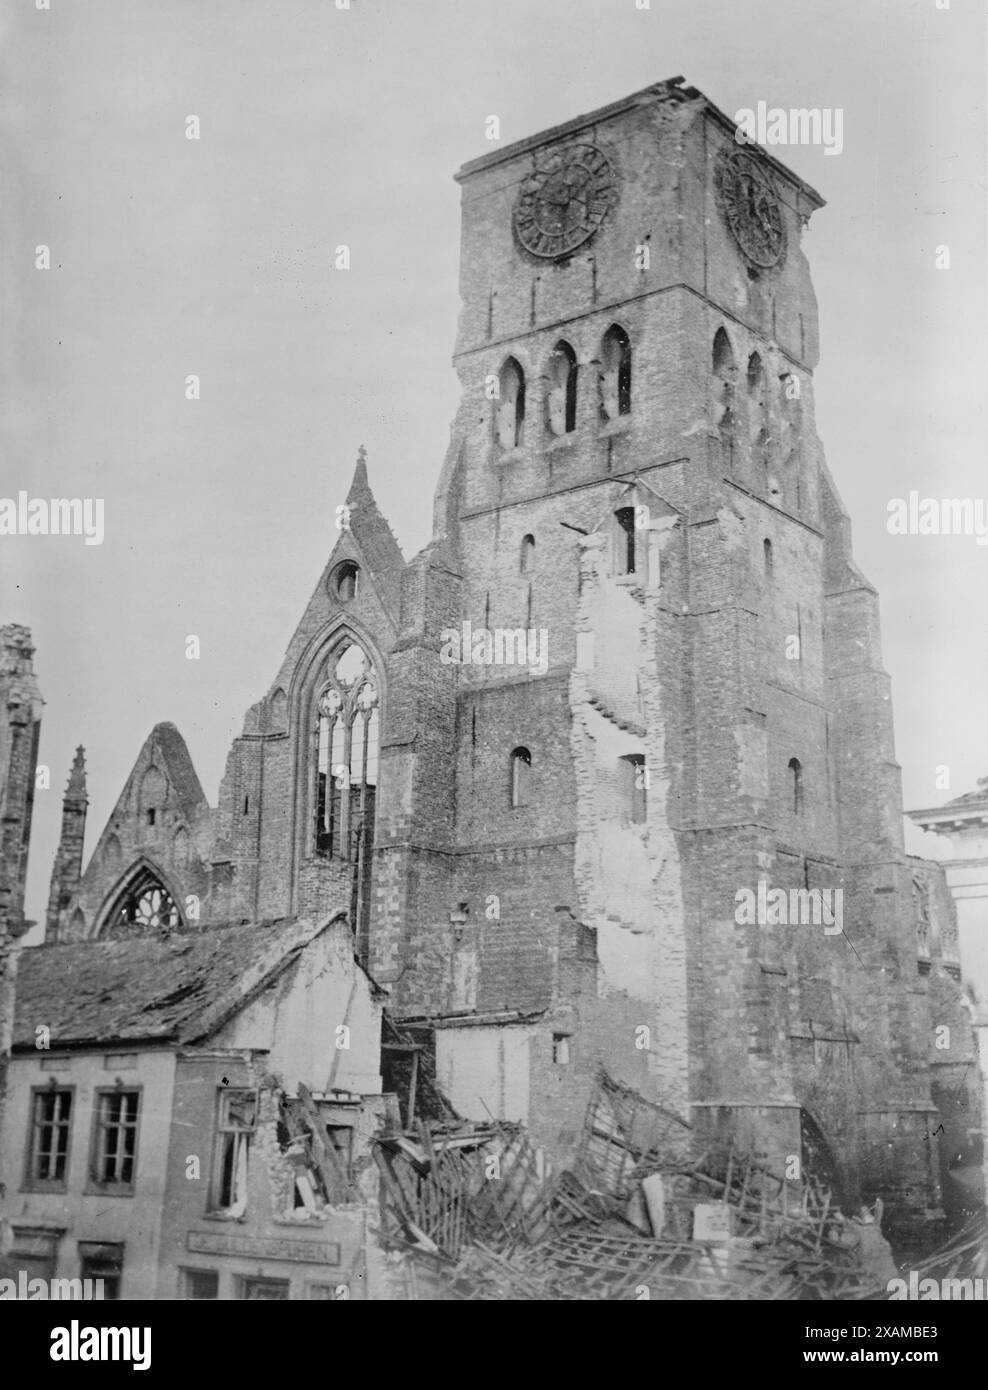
(146, 905)
(347, 734)
(615, 374)
(527, 563)
(511, 405)
(561, 401)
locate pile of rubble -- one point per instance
(481, 1216)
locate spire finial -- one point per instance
(77, 775)
(359, 482)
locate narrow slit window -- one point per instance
(796, 785)
(625, 556)
(521, 769)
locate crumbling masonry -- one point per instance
(543, 867)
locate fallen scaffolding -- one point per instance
(482, 1217)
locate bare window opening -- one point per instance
(527, 554)
(625, 541)
(615, 374)
(724, 371)
(115, 1138)
(634, 788)
(235, 1130)
(152, 815)
(757, 403)
(521, 769)
(345, 581)
(561, 400)
(246, 805)
(560, 1049)
(511, 405)
(796, 785)
(767, 553)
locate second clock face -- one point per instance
(752, 209)
(563, 202)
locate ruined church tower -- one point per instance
(634, 473)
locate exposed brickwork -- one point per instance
(20, 727)
(734, 653)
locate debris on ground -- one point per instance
(481, 1216)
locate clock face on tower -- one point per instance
(563, 202)
(752, 209)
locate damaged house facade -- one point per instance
(189, 1115)
(635, 676)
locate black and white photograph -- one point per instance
(493, 656)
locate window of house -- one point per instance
(625, 557)
(33, 1250)
(48, 1144)
(561, 399)
(114, 1154)
(237, 1123)
(796, 785)
(264, 1290)
(527, 554)
(521, 769)
(102, 1260)
(510, 405)
(146, 905)
(634, 785)
(200, 1284)
(615, 374)
(767, 553)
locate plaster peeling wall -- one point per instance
(628, 876)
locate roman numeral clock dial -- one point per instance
(562, 203)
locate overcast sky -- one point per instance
(321, 126)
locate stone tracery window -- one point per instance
(147, 905)
(347, 736)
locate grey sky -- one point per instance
(215, 257)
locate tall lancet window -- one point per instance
(347, 734)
